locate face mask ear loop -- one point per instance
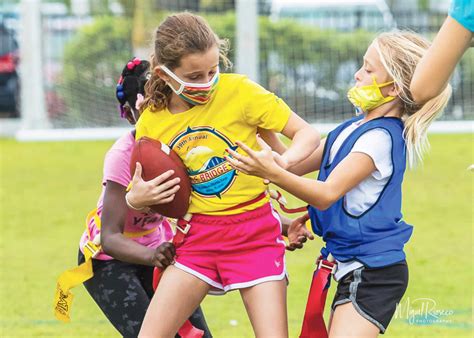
(381, 85)
(378, 86)
(174, 77)
(177, 92)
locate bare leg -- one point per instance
(177, 296)
(347, 322)
(330, 320)
(266, 307)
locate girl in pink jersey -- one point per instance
(132, 241)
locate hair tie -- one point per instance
(132, 64)
(119, 91)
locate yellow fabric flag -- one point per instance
(78, 275)
(66, 281)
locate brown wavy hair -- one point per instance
(178, 35)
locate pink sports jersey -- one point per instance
(117, 169)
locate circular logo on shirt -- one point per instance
(202, 150)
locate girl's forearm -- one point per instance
(304, 142)
(273, 140)
(126, 250)
(313, 192)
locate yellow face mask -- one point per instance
(367, 98)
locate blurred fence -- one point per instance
(306, 57)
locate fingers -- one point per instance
(158, 265)
(238, 157)
(166, 200)
(238, 161)
(169, 192)
(167, 196)
(167, 185)
(298, 243)
(168, 250)
(294, 246)
(137, 175)
(164, 255)
(309, 235)
(246, 148)
(162, 178)
(236, 164)
(159, 190)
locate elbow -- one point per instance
(315, 137)
(421, 95)
(326, 201)
(312, 139)
(417, 97)
(323, 205)
(105, 242)
(309, 134)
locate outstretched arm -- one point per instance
(348, 174)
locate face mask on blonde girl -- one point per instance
(373, 86)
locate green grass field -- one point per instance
(48, 188)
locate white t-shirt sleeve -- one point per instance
(377, 144)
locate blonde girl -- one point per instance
(355, 204)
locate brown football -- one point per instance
(157, 158)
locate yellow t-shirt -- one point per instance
(201, 134)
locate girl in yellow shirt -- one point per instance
(234, 239)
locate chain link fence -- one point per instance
(307, 55)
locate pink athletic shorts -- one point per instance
(235, 251)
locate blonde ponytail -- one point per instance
(416, 127)
(400, 52)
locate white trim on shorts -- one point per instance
(254, 282)
(242, 285)
(221, 290)
(203, 278)
(282, 242)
